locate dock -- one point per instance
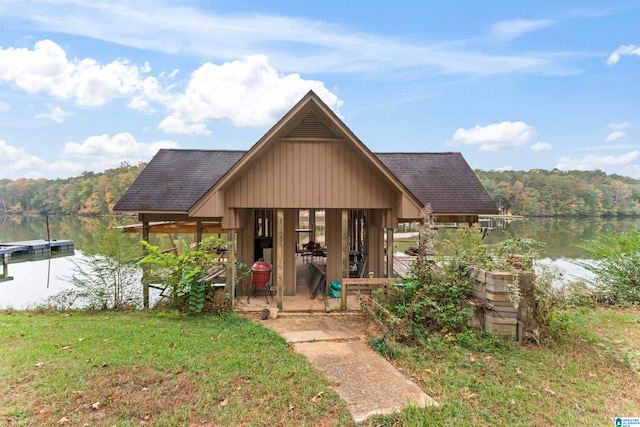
(35, 247)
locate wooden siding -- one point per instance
(311, 174)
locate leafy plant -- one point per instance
(107, 278)
(616, 266)
(182, 273)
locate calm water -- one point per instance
(36, 279)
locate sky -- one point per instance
(86, 85)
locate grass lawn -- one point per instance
(163, 369)
(130, 369)
(589, 378)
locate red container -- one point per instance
(260, 274)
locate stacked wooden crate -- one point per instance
(494, 310)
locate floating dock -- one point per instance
(35, 247)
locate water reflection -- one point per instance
(34, 280)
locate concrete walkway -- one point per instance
(336, 345)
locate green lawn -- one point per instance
(164, 369)
(130, 369)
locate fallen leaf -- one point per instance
(317, 397)
(81, 339)
(145, 388)
(63, 420)
(95, 406)
(551, 392)
(104, 364)
(518, 371)
(223, 402)
(513, 402)
(66, 347)
(39, 364)
(489, 357)
(172, 345)
(473, 359)
(429, 370)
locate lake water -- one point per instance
(36, 279)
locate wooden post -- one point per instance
(145, 252)
(390, 252)
(280, 256)
(231, 266)
(345, 243)
(198, 233)
(5, 266)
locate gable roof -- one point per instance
(443, 179)
(176, 179)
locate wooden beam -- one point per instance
(280, 256)
(345, 243)
(390, 247)
(230, 278)
(145, 252)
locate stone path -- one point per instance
(336, 346)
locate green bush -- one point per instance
(616, 266)
(182, 275)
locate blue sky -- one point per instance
(88, 84)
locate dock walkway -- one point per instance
(33, 247)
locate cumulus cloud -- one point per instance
(629, 49)
(46, 69)
(56, 114)
(615, 135)
(541, 146)
(104, 152)
(18, 163)
(246, 93)
(515, 28)
(608, 163)
(495, 137)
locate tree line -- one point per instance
(559, 193)
(88, 194)
(536, 192)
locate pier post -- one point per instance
(5, 266)
(145, 252)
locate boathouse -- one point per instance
(311, 162)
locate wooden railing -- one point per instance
(361, 284)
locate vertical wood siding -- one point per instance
(311, 174)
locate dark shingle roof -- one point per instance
(176, 179)
(443, 179)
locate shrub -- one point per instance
(109, 277)
(616, 266)
(182, 275)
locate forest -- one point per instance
(530, 193)
(88, 194)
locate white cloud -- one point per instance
(615, 135)
(504, 168)
(293, 44)
(495, 137)
(541, 146)
(17, 163)
(46, 69)
(103, 152)
(629, 49)
(4, 107)
(620, 125)
(515, 28)
(56, 114)
(246, 93)
(610, 163)
(178, 125)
